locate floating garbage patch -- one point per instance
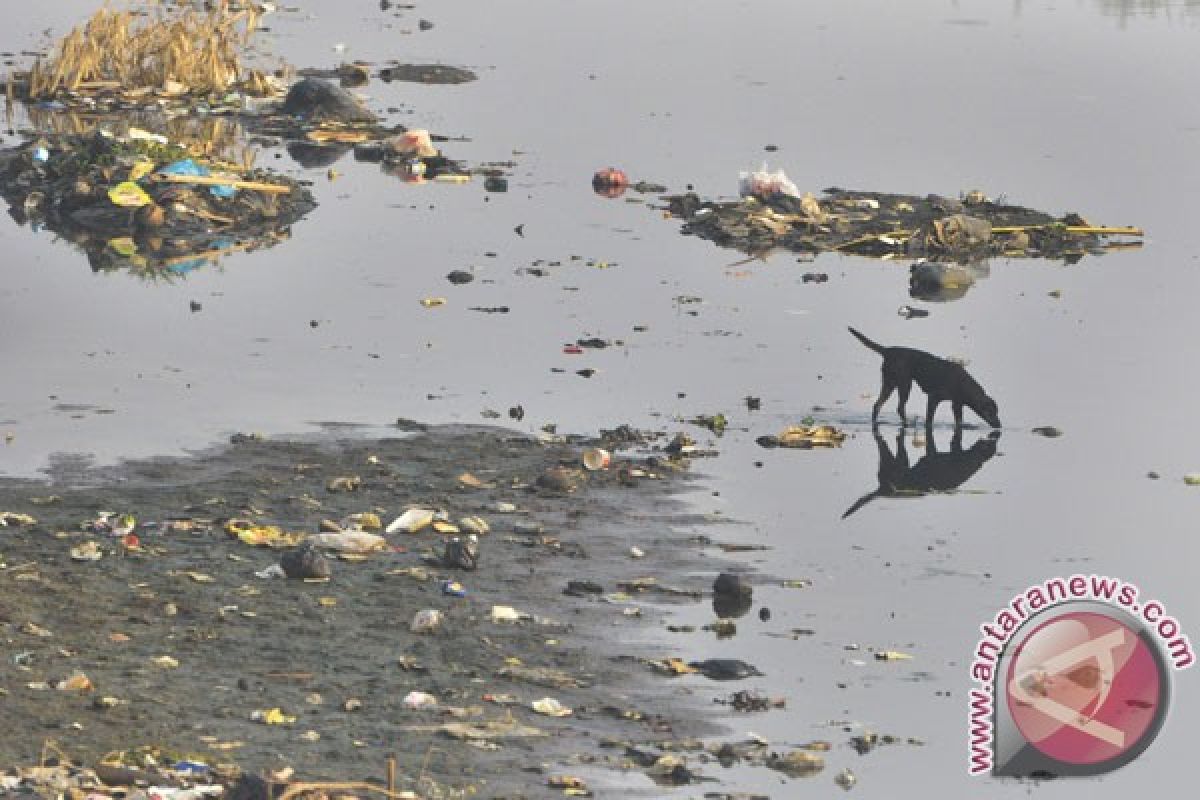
(144, 126)
(138, 201)
(771, 213)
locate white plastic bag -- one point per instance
(762, 184)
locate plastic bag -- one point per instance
(763, 184)
(188, 167)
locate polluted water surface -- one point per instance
(862, 627)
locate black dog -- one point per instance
(934, 472)
(938, 378)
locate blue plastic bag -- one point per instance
(189, 167)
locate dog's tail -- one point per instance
(876, 347)
(862, 501)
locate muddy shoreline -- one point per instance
(314, 650)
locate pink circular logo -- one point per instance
(1084, 688)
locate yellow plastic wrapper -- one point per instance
(262, 535)
(128, 195)
(140, 170)
(815, 436)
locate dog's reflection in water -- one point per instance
(934, 472)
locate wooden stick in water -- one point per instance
(1098, 230)
(212, 180)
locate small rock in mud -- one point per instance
(315, 100)
(582, 588)
(305, 563)
(459, 277)
(1049, 431)
(728, 583)
(461, 553)
(731, 606)
(559, 479)
(353, 75)
(725, 669)
(344, 483)
(495, 184)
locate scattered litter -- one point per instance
(412, 521)
(805, 437)
(262, 535)
(349, 541)
(797, 763)
(551, 707)
(87, 551)
(596, 458)
(763, 184)
(272, 716)
(419, 701)
(506, 614)
(610, 182)
(426, 621)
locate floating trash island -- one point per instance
(771, 214)
(136, 200)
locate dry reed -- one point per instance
(165, 49)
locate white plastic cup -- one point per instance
(596, 458)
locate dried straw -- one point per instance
(170, 50)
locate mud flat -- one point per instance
(162, 638)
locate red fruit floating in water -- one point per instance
(610, 182)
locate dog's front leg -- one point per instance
(930, 409)
(903, 391)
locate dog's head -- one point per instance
(988, 411)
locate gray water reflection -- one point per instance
(935, 471)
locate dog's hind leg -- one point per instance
(904, 388)
(885, 391)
